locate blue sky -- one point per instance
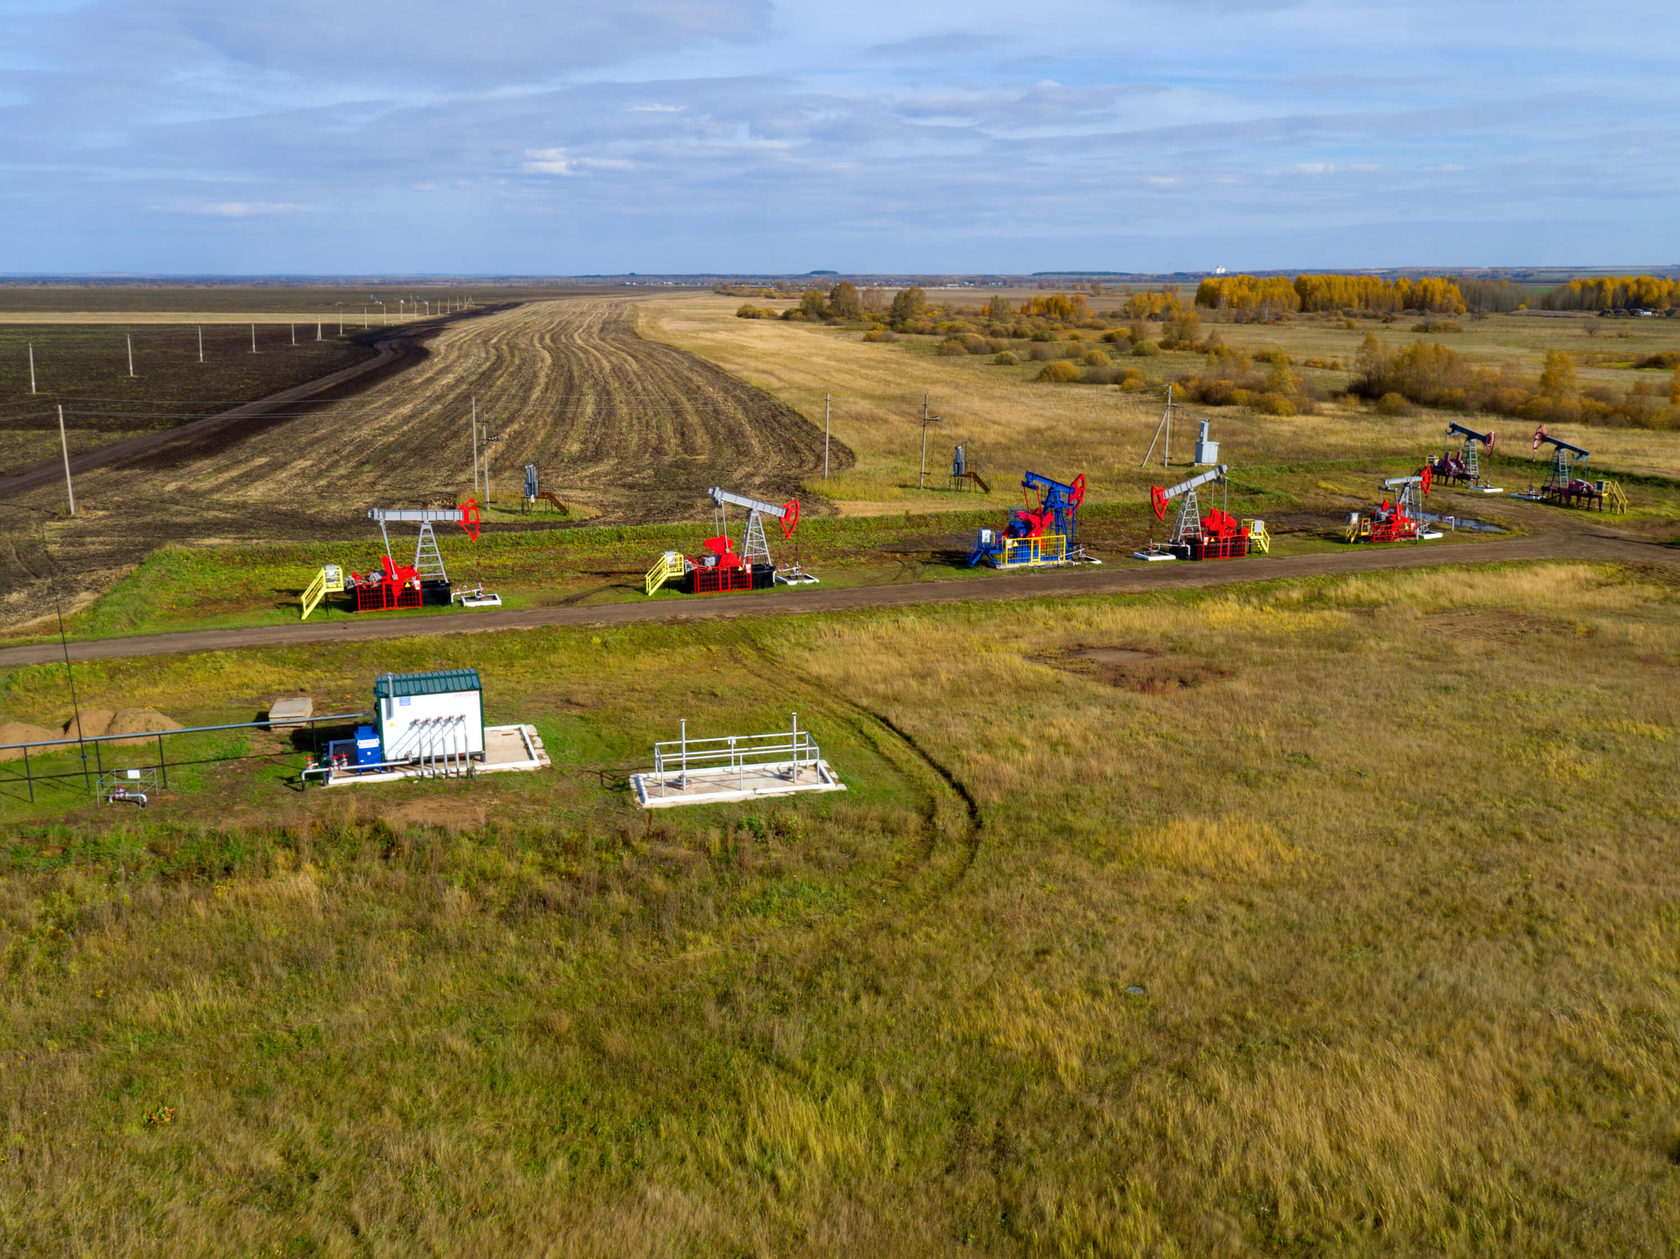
(550, 137)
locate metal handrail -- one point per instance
(795, 747)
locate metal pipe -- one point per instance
(237, 725)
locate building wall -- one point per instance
(415, 725)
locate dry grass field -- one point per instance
(1011, 422)
(1329, 915)
(1333, 917)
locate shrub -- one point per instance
(1131, 379)
(1145, 349)
(1005, 358)
(1061, 372)
(1392, 403)
(979, 345)
(1273, 403)
(1218, 393)
(952, 347)
(1666, 360)
(1094, 358)
(879, 334)
(1438, 325)
(1041, 353)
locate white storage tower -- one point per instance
(430, 716)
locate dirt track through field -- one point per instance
(1589, 543)
(631, 429)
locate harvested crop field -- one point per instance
(631, 430)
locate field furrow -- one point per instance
(631, 430)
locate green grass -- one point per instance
(210, 587)
(1389, 859)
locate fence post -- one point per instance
(28, 776)
(163, 770)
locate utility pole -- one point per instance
(69, 673)
(294, 332)
(64, 445)
(253, 338)
(827, 397)
(130, 338)
(921, 478)
(31, 367)
(200, 343)
(475, 441)
(318, 328)
(1164, 428)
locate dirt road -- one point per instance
(1121, 576)
(634, 430)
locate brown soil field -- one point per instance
(632, 430)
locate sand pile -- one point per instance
(21, 732)
(135, 721)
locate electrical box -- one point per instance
(367, 745)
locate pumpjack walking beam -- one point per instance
(428, 563)
(754, 547)
(1189, 512)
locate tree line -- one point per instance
(1615, 292)
(1328, 291)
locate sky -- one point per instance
(548, 137)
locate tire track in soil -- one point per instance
(868, 724)
(633, 429)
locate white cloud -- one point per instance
(555, 161)
(246, 209)
(654, 108)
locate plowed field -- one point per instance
(633, 430)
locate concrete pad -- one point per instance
(725, 784)
(1153, 556)
(290, 710)
(507, 749)
(512, 748)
